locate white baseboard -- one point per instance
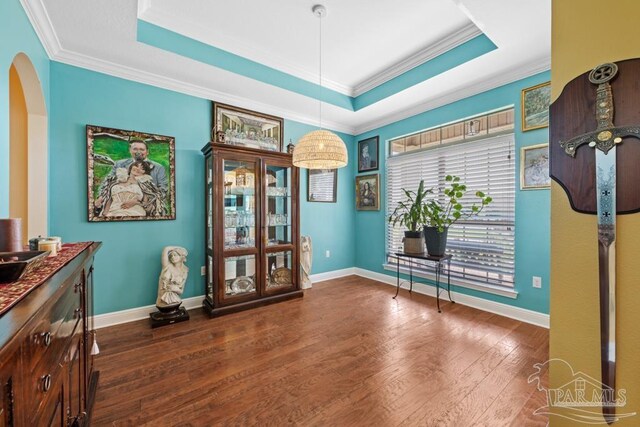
(522, 314)
(132, 314)
(321, 277)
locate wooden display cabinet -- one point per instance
(252, 228)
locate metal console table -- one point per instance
(438, 263)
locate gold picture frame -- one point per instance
(246, 128)
(534, 167)
(368, 192)
(534, 105)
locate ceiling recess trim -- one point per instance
(197, 31)
(532, 68)
(449, 42)
(178, 44)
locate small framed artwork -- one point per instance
(368, 154)
(368, 192)
(535, 106)
(131, 175)
(245, 128)
(534, 167)
(322, 185)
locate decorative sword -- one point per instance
(604, 140)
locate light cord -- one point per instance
(320, 61)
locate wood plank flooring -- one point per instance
(346, 354)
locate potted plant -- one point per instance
(439, 215)
(408, 213)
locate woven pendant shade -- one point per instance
(320, 149)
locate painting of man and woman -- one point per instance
(131, 175)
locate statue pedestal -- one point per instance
(168, 315)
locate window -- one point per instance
(483, 247)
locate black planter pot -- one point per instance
(436, 241)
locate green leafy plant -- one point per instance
(436, 213)
(408, 213)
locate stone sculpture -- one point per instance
(306, 256)
(170, 287)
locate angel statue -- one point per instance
(306, 255)
(170, 287)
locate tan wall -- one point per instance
(18, 155)
(586, 33)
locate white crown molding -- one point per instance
(502, 79)
(517, 313)
(145, 77)
(41, 23)
(199, 32)
(443, 45)
(143, 7)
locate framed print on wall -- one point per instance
(322, 185)
(131, 175)
(246, 128)
(368, 154)
(534, 167)
(535, 106)
(368, 192)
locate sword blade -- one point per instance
(606, 198)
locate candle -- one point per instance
(48, 245)
(11, 235)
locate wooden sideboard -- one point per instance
(47, 376)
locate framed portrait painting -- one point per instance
(368, 154)
(368, 192)
(535, 106)
(131, 175)
(534, 167)
(322, 185)
(246, 128)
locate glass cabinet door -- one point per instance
(278, 216)
(209, 224)
(279, 221)
(240, 276)
(279, 270)
(239, 204)
(209, 172)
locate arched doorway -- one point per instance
(28, 148)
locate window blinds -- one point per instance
(482, 247)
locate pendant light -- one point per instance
(320, 149)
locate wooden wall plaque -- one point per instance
(573, 114)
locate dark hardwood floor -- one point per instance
(346, 354)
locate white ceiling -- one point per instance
(361, 38)
(362, 41)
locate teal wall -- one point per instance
(16, 36)
(532, 207)
(128, 265)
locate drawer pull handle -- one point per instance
(46, 383)
(77, 313)
(46, 339)
(77, 287)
